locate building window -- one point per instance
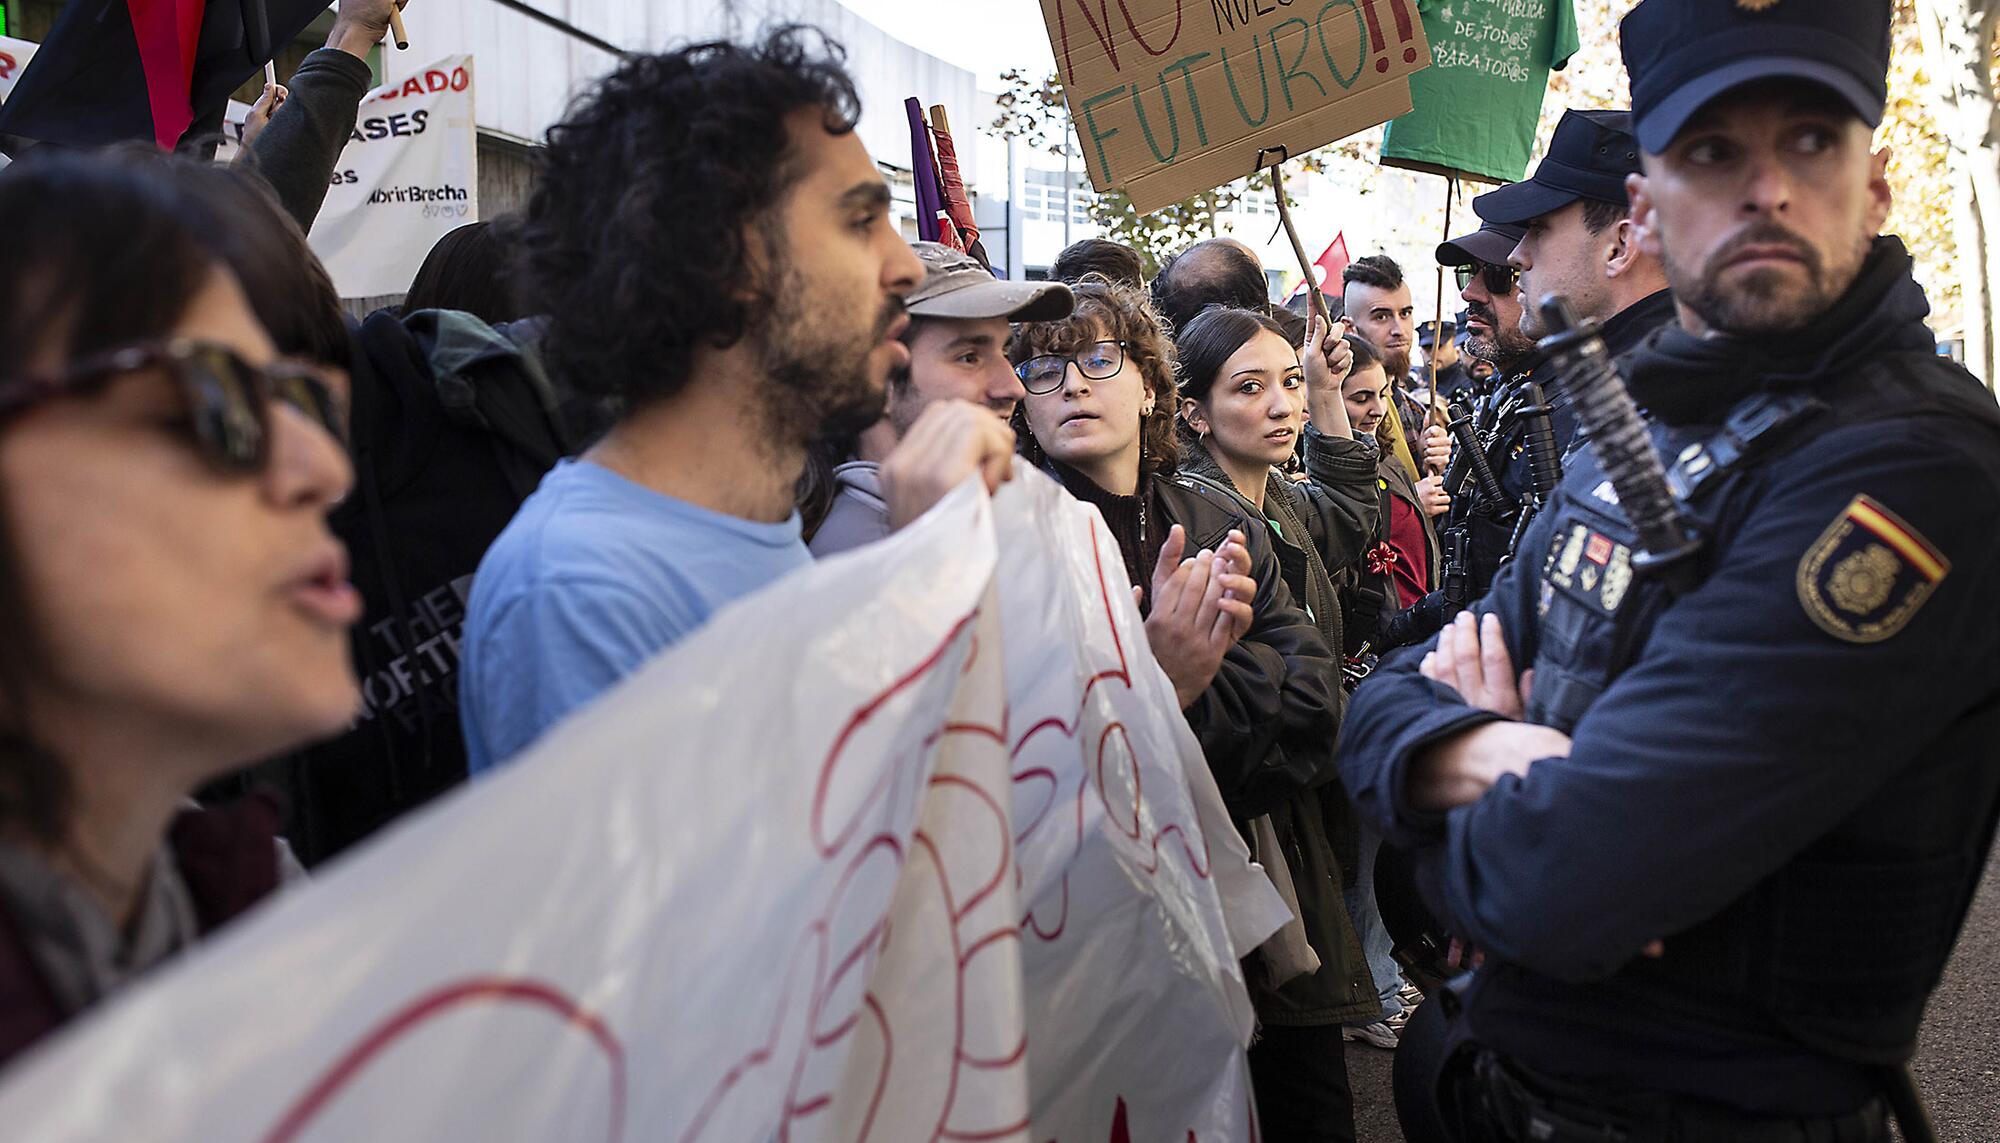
(1258, 202)
(1042, 197)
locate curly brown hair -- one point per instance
(634, 239)
(1106, 309)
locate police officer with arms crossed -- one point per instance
(1718, 841)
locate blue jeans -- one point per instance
(1376, 944)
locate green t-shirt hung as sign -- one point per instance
(1477, 105)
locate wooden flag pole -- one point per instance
(396, 29)
(1298, 247)
(1275, 163)
(1437, 323)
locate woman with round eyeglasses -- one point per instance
(1254, 677)
(175, 606)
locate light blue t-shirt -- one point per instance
(593, 577)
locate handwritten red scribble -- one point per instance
(812, 945)
(857, 954)
(1037, 774)
(1121, 673)
(1121, 1129)
(824, 984)
(1200, 865)
(430, 1006)
(1100, 27)
(1006, 854)
(829, 846)
(963, 954)
(1404, 32)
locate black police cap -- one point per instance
(1589, 156)
(1427, 332)
(1680, 54)
(1490, 244)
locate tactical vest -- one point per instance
(1841, 946)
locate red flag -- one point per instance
(955, 199)
(166, 32)
(1330, 265)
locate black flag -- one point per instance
(113, 70)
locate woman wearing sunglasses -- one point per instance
(1243, 403)
(174, 605)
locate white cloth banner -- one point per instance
(913, 845)
(408, 176)
(14, 57)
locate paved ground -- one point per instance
(1958, 1055)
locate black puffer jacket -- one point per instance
(1267, 722)
(1320, 526)
(1319, 530)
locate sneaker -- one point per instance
(1410, 995)
(1378, 1034)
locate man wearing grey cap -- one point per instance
(957, 338)
(1718, 850)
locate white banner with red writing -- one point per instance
(913, 845)
(408, 176)
(14, 57)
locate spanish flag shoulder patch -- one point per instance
(1868, 574)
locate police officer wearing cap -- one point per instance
(1717, 847)
(1492, 318)
(1439, 341)
(1577, 241)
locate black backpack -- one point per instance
(455, 422)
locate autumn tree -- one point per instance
(1961, 53)
(1033, 111)
(1930, 163)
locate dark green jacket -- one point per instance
(1319, 529)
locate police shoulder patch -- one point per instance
(1868, 574)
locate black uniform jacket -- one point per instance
(1789, 772)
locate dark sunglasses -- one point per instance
(1499, 279)
(1097, 361)
(228, 399)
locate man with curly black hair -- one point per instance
(713, 248)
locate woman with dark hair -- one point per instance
(174, 603)
(1243, 402)
(1401, 560)
(472, 270)
(1401, 563)
(1099, 416)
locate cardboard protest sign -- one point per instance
(900, 848)
(1173, 97)
(408, 176)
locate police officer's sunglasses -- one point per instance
(1098, 361)
(228, 400)
(1499, 279)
